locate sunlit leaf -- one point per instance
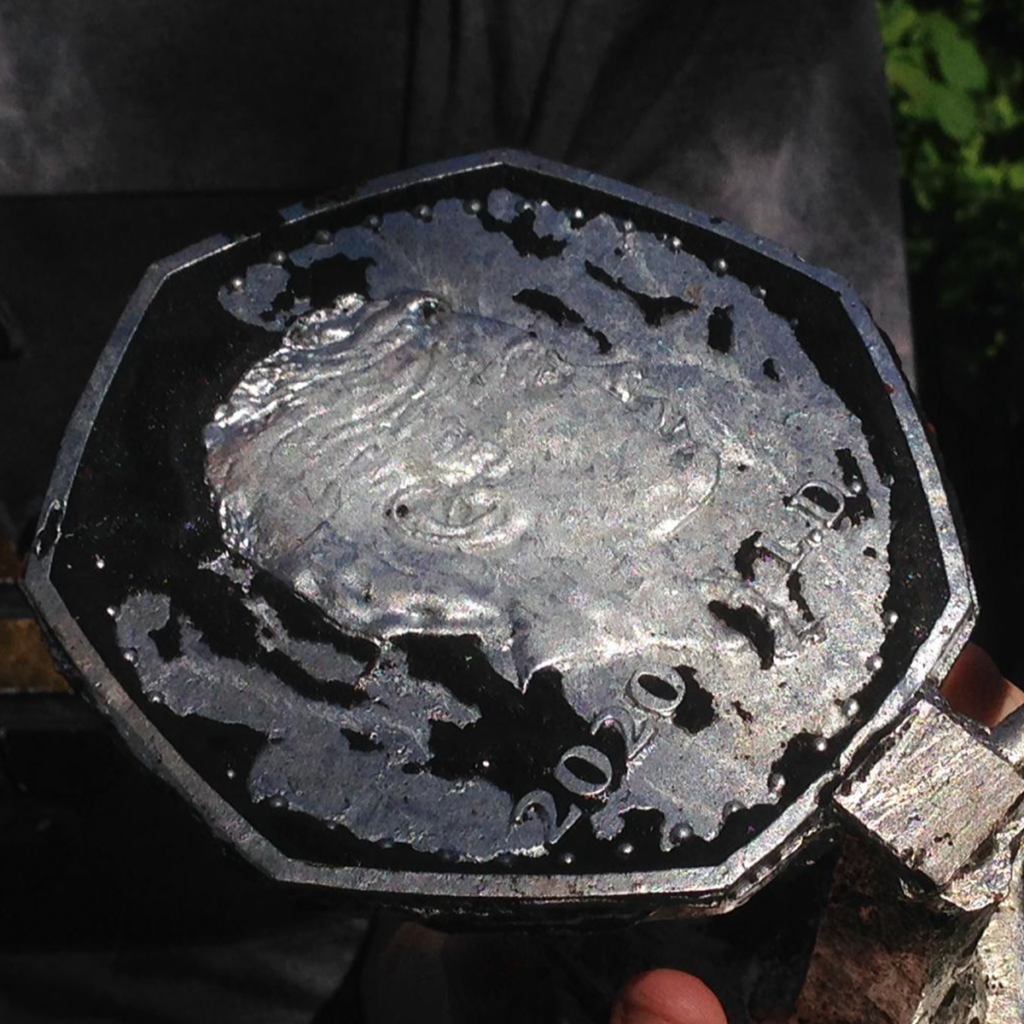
(958, 58)
(1004, 112)
(895, 20)
(956, 76)
(916, 84)
(955, 112)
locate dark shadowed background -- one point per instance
(132, 128)
(956, 73)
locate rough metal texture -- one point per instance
(934, 794)
(577, 494)
(987, 877)
(501, 533)
(1000, 955)
(881, 958)
(1008, 737)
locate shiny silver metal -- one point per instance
(598, 434)
(936, 794)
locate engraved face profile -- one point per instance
(409, 467)
(616, 465)
(534, 530)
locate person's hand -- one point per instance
(413, 973)
(416, 974)
(667, 997)
(976, 687)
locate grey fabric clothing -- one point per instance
(774, 116)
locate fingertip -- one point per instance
(667, 997)
(976, 687)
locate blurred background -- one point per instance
(882, 140)
(956, 75)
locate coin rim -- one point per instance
(717, 887)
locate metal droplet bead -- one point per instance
(851, 708)
(820, 744)
(568, 858)
(731, 808)
(230, 773)
(758, 292)
(279, 803)
(524, 206)
(874, 663)
(424, 212)
(624, 849)
(627, 226)
(100, 562)
(236, 284)
(776, 782)
(278, 257)
(131, 656)
(856, 487)
(111, 610)
(720, 267)
(156, 698)
(754, 875)
(815, 536)
(890, 618)
(577, 216)
(680, 833)
(373, 221)
(675, 244)
(473, 206)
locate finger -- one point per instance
(976, 687)
(667, 997)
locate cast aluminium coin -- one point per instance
(501, 533)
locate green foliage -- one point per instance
(956, 72)
(955, 103)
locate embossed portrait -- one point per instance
(411, 467)
(585, 451)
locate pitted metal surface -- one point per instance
(503, 532)
(920, 799)
(580, 468)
